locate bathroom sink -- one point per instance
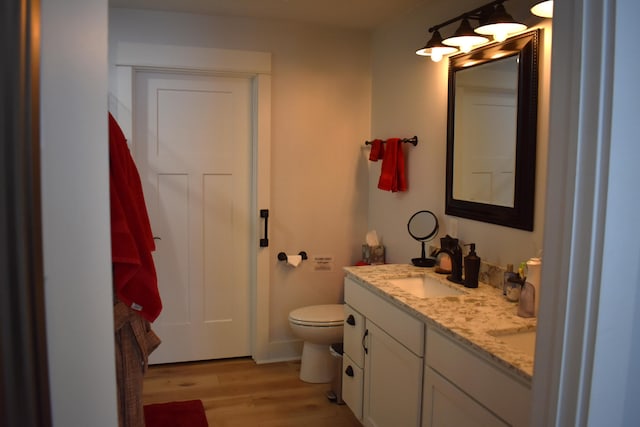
(524, 341)
(425, 287)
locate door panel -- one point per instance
(445, 405)
(192, 144)
(393, 382)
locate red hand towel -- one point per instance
(392, 175)
(134, 274)
(377, 150)
(401, 170)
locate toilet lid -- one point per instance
(318, 315)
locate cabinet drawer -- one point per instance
(408, 330)
(492, 387)
(352, 383)
(353, 334)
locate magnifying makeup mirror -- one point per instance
(423, 226)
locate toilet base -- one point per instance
(317, 364)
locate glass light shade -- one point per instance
(500, 32)
(500, 24)
(465, 38)
(438, 52)
(435, 49)
(543, 9)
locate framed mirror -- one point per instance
(491, 132)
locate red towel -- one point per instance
(134, 274)
(392, 175)
(377, 150)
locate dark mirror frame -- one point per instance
(520, 216)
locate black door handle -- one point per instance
(349, 371)
(364, 337)
(264, 213)
(351, 320)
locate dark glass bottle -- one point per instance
(471, 268)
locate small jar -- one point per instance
(513, 291)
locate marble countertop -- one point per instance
(470, 318)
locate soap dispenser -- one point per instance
(471, 268)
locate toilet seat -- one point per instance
(326, 315)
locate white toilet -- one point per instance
(319, 326)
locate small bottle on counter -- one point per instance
(526, 306)
(509, 274)
(534, 266)
(514, 287)
(471, 268)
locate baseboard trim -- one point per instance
(282, 351)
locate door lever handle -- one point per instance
(264, 213)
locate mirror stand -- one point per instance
(423, 227)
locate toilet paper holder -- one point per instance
(283, 257)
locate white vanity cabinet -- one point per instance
(383, 360)
(399, 369)
(462, 388)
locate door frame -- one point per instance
(24, 366)
(133, 57)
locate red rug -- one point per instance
(189, 413)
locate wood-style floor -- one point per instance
(240, 393)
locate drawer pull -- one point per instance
(351, 320)
(364, 337)
(349, 371)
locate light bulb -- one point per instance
(500, 36)
(466, 48)
(436, 55)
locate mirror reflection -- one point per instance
(485, 128)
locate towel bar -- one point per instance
(413, 141)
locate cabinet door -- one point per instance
(447, 406)
(393, 382)
(481, 380)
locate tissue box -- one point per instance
(373, 254)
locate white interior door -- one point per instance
(192, 144)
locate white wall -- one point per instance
(75, 210)
(320, 111)
(410, 98)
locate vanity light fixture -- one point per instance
(493, 20)
(543, 9)
(435, 48)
